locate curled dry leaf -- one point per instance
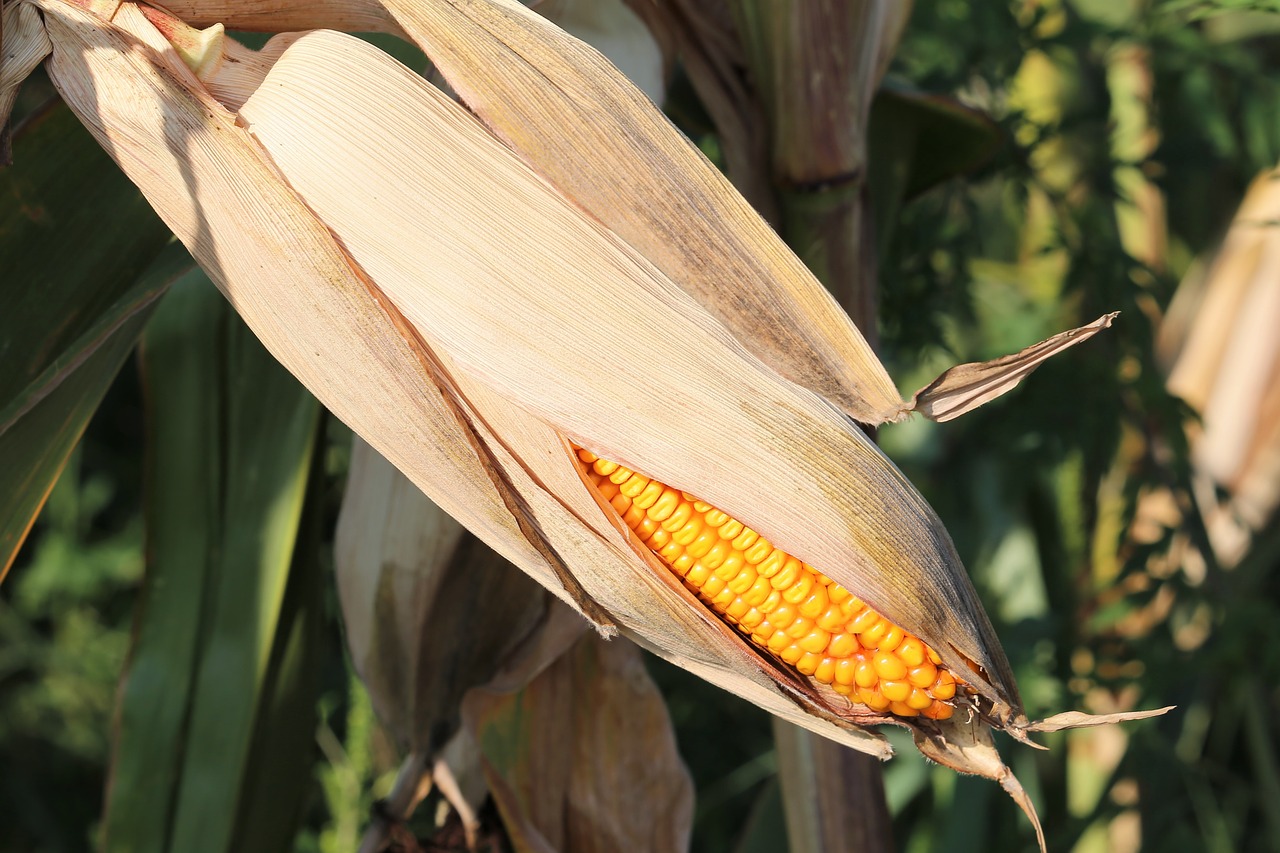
(474, 290)
(966, 386)
(606, 774)
(25, 45)
(429, 611)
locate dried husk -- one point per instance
(25, 46)
(429, 612)
(450, 304)
(606, 774)
(317, 312)
(1226, 368)
(520, 74)
(583, 382)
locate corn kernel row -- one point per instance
(784, 605)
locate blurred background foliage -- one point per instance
(1131, 130)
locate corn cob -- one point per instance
(785, 606)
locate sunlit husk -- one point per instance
(521, 74)
(25, 46)
(568, 328)
(313, 308)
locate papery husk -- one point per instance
(606, 774)
(469, 357)
(835, 500)
(1222, 328)
(25, 45)
(520, 74)
(429, 612)
(320, 315)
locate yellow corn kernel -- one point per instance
(782, 604)
(713, 587)
(757, 553)
(895, 691)
(815, 641)
(845, 671)
(919, 699)
(649, 496)
(815, 603)
(872, 636)
(782, 616)
(911, 650)
(772, 564)
(745, 579)
(730, 566)
(799, 590)
(826, 671)
(731, 529)
(841, 645)
(862, 618)
(715, 557)
(873, 698)
(923, 675)
(864, 674)
(663, 506)
(635, 486)
(892, 638)
(889, 666)
(808, 663)
(832, 620)
(758, 593)
(791, 654)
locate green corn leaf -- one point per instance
(74, 237)
(220, 645)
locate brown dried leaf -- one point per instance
(429, 610)
(967, 746)
(585, 758)
(25, 46)
(966, 386)
(1081, 720)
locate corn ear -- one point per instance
(313, 307)
(438, 284)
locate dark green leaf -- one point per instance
(75, 237)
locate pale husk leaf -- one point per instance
(1227, 370)
(562, 326)
(429, 612)
(277, 264)
(606, 774)
(520, 74)
(313, 309)
(965, 387)
(24, 47)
